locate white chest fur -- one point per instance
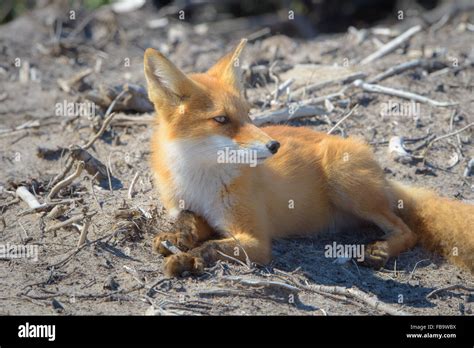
(199, 182)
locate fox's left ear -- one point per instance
(166, 83)
(228, 68)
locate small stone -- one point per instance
(111, 284)
(57, 306)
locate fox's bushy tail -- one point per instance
(442, 225)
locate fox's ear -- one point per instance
(228, 68)
(166, 83)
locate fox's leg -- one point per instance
(365, 195)
(377, 209)
(398, 238)
(189, 231)
(357, 185)
(239, 246)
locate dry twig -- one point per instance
(68, 222)
(67, 181)
(130, 190)
(100, 132)
(451, 287)
(287, 114)
(92, 165)
(372, 88)
(257, 282)
(320, 85)
(343, 119)
(84, 231)
(397, 69)
(446, 136)
(26, 196)
(392, 45)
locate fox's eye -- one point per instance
(221, 119)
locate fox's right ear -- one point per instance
(166, 83)
(228, 68)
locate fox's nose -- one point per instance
(273, 146)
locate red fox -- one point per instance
(302, 181)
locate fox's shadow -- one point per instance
(308, 254)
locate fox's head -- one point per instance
(205, 113)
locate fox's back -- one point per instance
(299, 184)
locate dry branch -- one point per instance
(469, 168)
(372, 88)
(354, 293)
(320, 85)
(26, 125)
(343, 119)
(448, 135)
(277, 92)
(47, 206)
(67, 222)
(136, 99)
(67, 181)
(127, 120)
(134, 180)
(392, 45)
(56, 212)
(109, 115)
(100, 132)
(84, 296)
(84, 231)
(92, 165)
(66, 169)
(397, 69)
(27, 197)
(286, 114)
(234, 259)
(77, 250)
(451, 287)
(225, 292)
(322, 99)
(257, 282)
(75, 82)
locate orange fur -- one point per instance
(444, 226)
(313, 183)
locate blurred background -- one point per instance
(312, 16)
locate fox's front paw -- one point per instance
(376, 254)
(184, 241)
(176, 264)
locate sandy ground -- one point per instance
(117, 274)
